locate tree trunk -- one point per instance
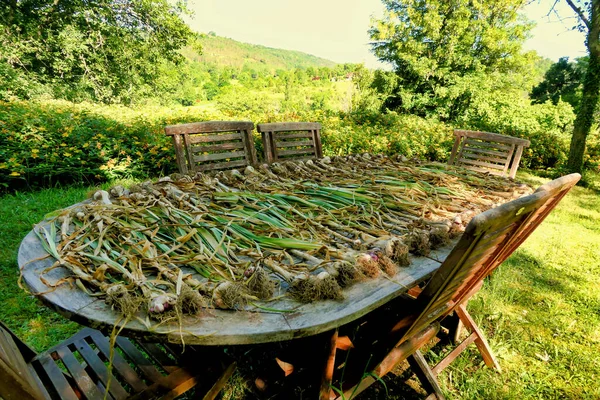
(590, 93)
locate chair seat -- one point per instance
(79, 368)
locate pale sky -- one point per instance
(337, 29)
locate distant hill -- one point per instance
(228, 52)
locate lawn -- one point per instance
(540, 310)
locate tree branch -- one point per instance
(579, 13)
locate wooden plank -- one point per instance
(248, 139)
(495, 137)
(208, 126)
(425, 374)
(439, 367)
(15, 376)
(455, 146)
(502, 154)
(219, 156)
(288, 126)
(218, 147)
(119, 364)
(141, 362)
(85, 383)
(169, 387)
(480, 341)
(95, 363)
(295, 152)
(268, 150)
(294, 144)
(509, 158)
(480, 163)
(56, 376)
(284, 135)
(486, 145)
(180, 154)
(221, 165)
(467, 154)
(318, 144)
(159, 356)
(215, 138)
(189, 153)
(219, 384)
(393, 358)
(515, 163)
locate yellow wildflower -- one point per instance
(15, 173)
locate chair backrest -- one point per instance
(488, 240)
(291, 141)
(17, 381)
(213, 145)
(487, 152)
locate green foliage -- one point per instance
(103, 51)
(435, 46)
(48, 142)
(223, 51)
(561, 82)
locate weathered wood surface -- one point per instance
(193, 142)
(276, 138)
(208, 126)
(223, 327)
(288, 126)
(487, 152)
(496, 137)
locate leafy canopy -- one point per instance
(433, 45)
(106, 49)
(561, 81)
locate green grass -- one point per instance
(37, 325)
(540, 310)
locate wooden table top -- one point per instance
(221, 327)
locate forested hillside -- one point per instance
(231, 53)
(74, 107)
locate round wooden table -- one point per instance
(215, 326)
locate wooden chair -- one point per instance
(78, 368)
(291, 141)
(212, 145)
(487, 152)
(488, 240)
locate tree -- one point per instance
(432, 45)
(562, 81)
(588, 13)
(103, 49)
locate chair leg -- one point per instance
(220, 383)
(325, 391)
(392, 359)
(425, 374)
(480, 340)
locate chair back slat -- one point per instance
(291, 141)
(489, 239)
(16, 378)
(213, 145)
(487, 152)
